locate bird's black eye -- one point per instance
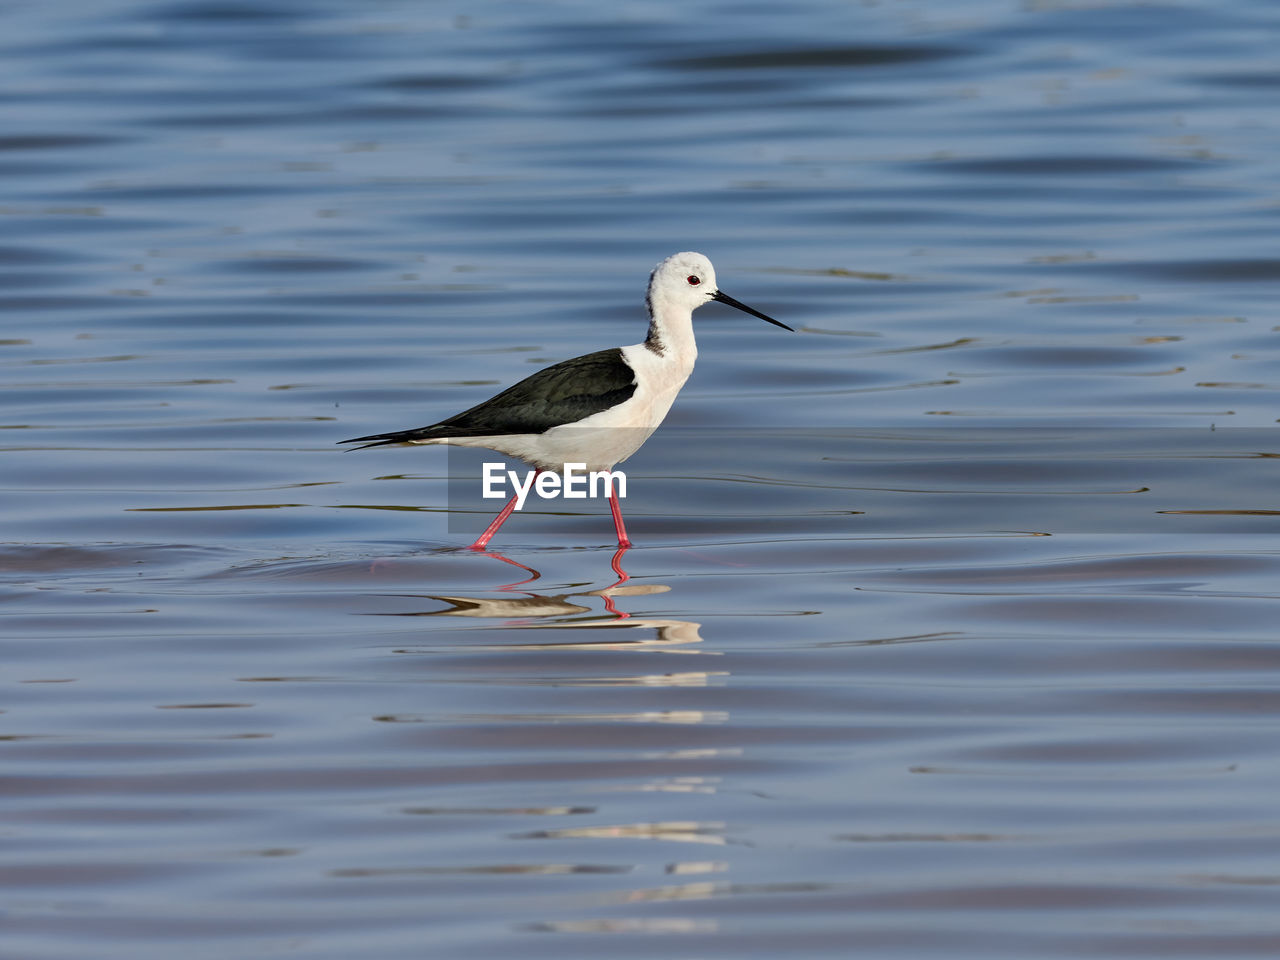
(693, 280)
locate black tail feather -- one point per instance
(400, 436)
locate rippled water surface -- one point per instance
(950, 628)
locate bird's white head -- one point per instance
(683, 281)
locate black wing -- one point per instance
(564, 392)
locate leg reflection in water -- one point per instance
(515, 563)
(606, 594)
(537, 610)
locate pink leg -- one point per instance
(617, 520)
(499, 520)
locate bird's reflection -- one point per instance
(525, 608)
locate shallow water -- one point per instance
(981, 564)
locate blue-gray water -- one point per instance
(952, 621)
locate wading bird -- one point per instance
(598, 409)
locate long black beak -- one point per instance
(721, 297)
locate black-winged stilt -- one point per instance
(595, 410)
